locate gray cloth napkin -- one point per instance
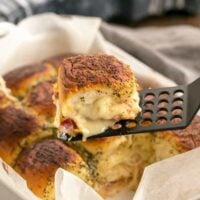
(173, 51)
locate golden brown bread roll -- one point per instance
(38, 164)
(94, 92)
(39, 99)
(22, 124)
(15, 125)
(22, 79)
(18, 127)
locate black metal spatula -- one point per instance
(162, 109)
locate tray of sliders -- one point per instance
(94, 71)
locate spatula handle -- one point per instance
(193, 99)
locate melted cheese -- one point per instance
(137, 150)
(94, 111)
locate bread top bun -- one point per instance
(96, 70)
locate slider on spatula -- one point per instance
(93, 93)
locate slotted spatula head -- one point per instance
(162, 109)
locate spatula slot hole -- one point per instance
(131, 124)
(177, 102)
(148, 105)
(162, 111)
(176, 119)
(178, 93)
(147, 113)
(149, 96)
(146, 122)
(161, 121)
(162, 103)
(116, 126)
(164, 95)
(177, 111)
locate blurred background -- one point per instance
(120, 11)
(164, 34)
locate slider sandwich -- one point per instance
(92, 93)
